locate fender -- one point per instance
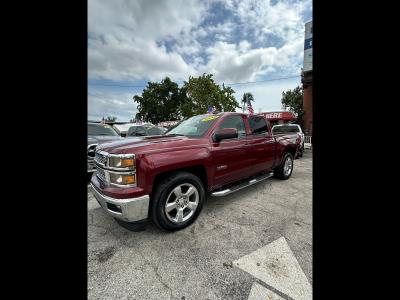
(152, 164)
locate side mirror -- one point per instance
(226, 133)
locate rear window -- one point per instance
(258, 125)
(285, 129)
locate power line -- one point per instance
(272, 79)
(235, 83)
(118, 85)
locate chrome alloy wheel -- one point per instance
(181, 203)
(288, 166)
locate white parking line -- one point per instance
(276, 265)
(258, 292)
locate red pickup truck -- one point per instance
(165, 178)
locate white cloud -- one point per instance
(143, 59)
(238, 63)
(267, 95)
(111, 103)
(282, 19)
(127, 39)
(123, 38)
(281, 22)
(148, 40)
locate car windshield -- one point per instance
(101, 129)
(285, 129)
(154, 131)
(195, 126)
(142, 129)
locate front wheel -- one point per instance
(177, 201)
(285, 169)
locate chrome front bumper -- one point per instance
(129, 210)
(91, 167)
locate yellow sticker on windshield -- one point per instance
(209, 118)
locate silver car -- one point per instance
(97, 134)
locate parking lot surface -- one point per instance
(253, 243)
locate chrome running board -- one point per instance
(241, 185)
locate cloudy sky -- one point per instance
(132, 42)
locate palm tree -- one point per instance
(247, 97)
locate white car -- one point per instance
(290, 128)
(122, 129)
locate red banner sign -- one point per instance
(279, 115)
(168, 123)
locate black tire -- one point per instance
(301, 151)
(279, 172)
(160, 197)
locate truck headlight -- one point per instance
(122, 162)
(122, 179)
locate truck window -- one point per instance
(285, 129)
(258, 125)
(234, 122)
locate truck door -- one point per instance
(260, 146)
(229, 158)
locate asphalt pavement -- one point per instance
(252, 244)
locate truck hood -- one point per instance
(148, 143)
(99, 139)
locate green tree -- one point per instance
(293, 100)
(160, 102)
(111, 119)
(202, 93)
(246, 97)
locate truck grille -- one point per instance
(101, 174)
(100, 158)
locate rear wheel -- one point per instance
(177, 201)
(285, 168)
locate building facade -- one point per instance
(306, 80)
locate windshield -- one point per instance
(144, 130)
(285, 129)
(195, 126)
(101, 129)
(154, 131)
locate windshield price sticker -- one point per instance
(209, 118)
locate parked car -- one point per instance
(122, 129)
(165, 178)
(144, 130)
(163, 129)
(290, 128)
(98, 133)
